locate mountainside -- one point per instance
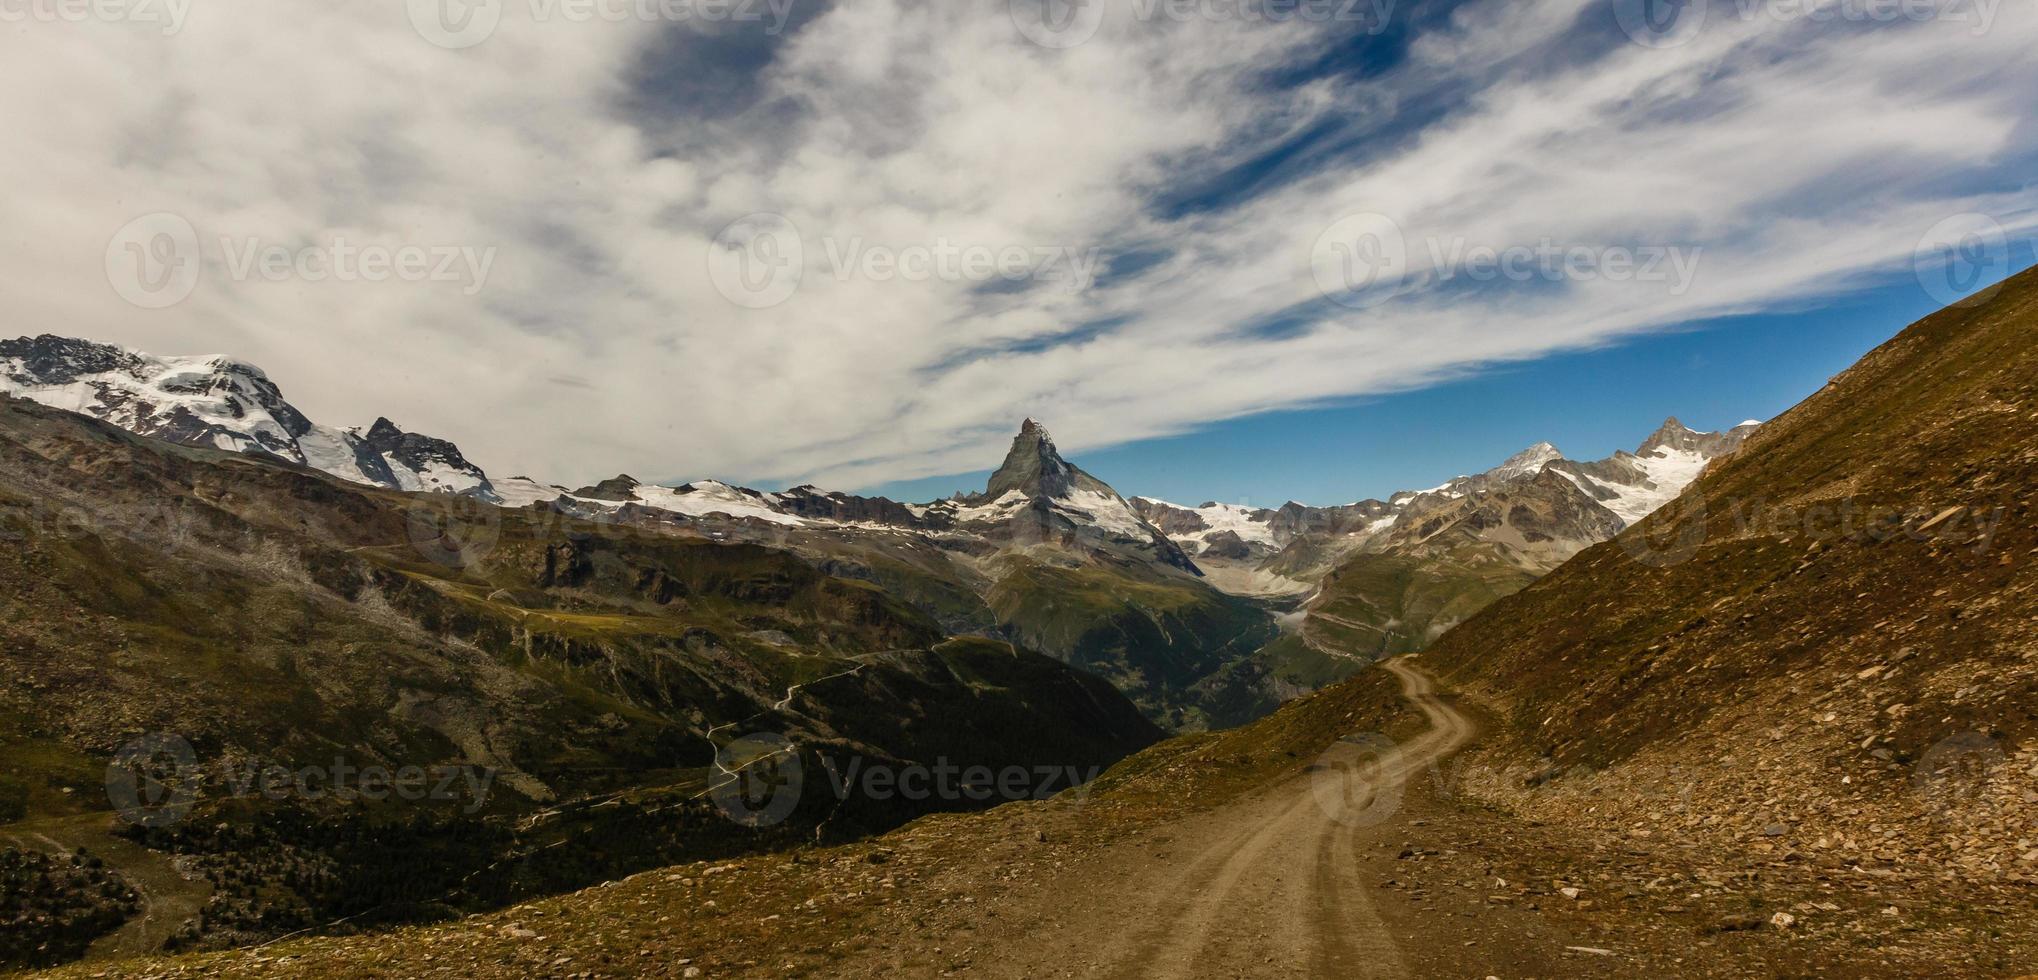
(1389, 577)
(1174, 605)
(157, 594)
(222, 403)
(1782, 727)
(1290, 549)
(1827, 646)
(1048, 556)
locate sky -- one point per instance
(1226, 250)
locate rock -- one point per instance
(1571, 893)
(1739, 923)
(1775, 830)
(1783, 920)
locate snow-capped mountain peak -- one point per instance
(1528, 462)
(223, 403)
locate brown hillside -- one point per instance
(1828, 645)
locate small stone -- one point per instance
(1739, 923)
(1571, 893)
(1783, 920)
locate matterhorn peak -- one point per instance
(1033, 466)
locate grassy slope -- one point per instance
(1153, 636)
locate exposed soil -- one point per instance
(1369, 861)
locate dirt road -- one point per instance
(1271, 886)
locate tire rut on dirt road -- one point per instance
(1275, 887)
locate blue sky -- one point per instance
(1246, 242)
(1711, 375)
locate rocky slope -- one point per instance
(157, 594)
(1047, 556)
(1824, 650)
(1388, 577)
(1293, 547)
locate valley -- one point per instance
(623, 663)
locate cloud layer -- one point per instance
(1197, 160)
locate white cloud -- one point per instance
(1796, 157)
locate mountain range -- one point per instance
(1190, 611)
(1782, 725)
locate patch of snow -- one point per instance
(1102, 510)
(710, 497)
(522, 491)
(1219, 518)
(1668, 470)
(333, 451)
(997, 510)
